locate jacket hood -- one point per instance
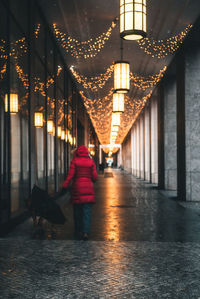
(82, 151)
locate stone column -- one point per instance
(192, 122)
(138, 149)
(100, 155)
(147, 143)
(154, 140)
(15, 148)
(170, 134)
(161, 160)
(40, 152)
(141, 146)
(25, 165)
(134, 151)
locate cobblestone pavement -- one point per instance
(142, 245)
(99, 269)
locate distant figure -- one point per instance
(82, 173)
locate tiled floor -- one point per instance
(142, 245)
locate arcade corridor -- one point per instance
(111, 86)
(142, 245)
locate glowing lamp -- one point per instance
(38, 119)
(114, 129)
(63, 135)
(59, 130)
(92, 153)
(133, 15)
(110, 154)
(114, 134)
(70, 139)
(115, 119)
(118, 102)
(14, 107)
(74, 141)
(50, 126)
(121, 76)
(54, 131)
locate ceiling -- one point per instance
(86, 19)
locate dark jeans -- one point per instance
(82, 217)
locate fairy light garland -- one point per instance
(98, 82)
(100, 111)
(144, 82)
(3, 71)
(93, 83)
(22, 76)
(162, 48)
(37, 30)
(3, 49)
(83, 49)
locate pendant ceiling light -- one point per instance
(38, 119)
(118, 102)
(115, 119)
(14, 107)
(133, 19)
(121, 74)
(115, 129)
(114, 134)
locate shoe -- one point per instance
(85, 237)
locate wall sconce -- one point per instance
(59, 130)
(63, 135)
(38, 119)
(50, 126)
(14, 106)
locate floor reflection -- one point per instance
(126, 209)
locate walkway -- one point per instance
(142, 245)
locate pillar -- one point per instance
(141, 124)
(137, 149)
(192, 122)
(170, 134)
(154, 140)
(161, 160)
(147, 142)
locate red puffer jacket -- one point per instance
(83, 173)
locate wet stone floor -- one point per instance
(142, 245)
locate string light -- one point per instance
(3, 49)
(144, 82)
(83, 49)
(163, 48)
(93, 83)
(2, 71)
(100, 111)
(37, 30)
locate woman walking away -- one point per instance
(82, 173)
